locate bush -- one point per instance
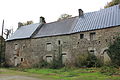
(108, 70)
(114, 52)
(93, 61)
(42, 64)
(57, 63)
(88, 60)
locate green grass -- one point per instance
(66, 74)
(73, 74)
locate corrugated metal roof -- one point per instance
(104, 18)
(57, 28)
(100, 19)
(24, 32)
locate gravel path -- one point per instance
(17, 77)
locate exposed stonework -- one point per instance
(28, 52)
(2, 49)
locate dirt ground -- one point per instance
(17, 77)
(6, 74)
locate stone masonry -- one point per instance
(28, 52)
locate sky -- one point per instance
(14, 11)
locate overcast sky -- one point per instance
(14, 11)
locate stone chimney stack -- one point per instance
(42, 20)
(81, 13)
(20, 24)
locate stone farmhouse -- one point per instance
(89, 32)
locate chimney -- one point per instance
(42, 20)
(81, 13)
(20, 24)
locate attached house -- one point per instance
(89, 32)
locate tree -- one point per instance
(114, 52)
(8, 32)
(64, 16)
(112, 3)
(27, 23)
(24, 23)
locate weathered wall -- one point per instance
(2, 49)
(18, 52)
(34, 50)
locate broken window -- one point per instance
(81, 36)
(59, 42)
(49, 59)
(22, 59)
(105, 57)
(23, 46)
(92, 36)
(91, 51)
(64, 58)
(49, 46)
(16, 46)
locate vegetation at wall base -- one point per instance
(114, 52)
(108, 70)
(88, 60)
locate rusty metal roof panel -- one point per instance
(24, 32)
(99, 19)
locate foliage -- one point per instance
(88, 60)
(8, 32)
(2, 51)
(24, 23)
(27, 23)
(64, 16)
(42, 64)
(114, 52)
(108, 70)
(112, 3)
(56, 63)
(57, 60)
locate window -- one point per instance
(16, 46)
(22, 59)
(81, 36)
(106, 40)
(92, 36)
(92, 51)
(105, 57)
(23, 46)
(99, 42)
(49, 59)
(59, 42)
(49, 47)
(64, 58)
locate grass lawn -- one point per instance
(62, 74)
(73, 74)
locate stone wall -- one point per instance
(32, 51)
(2, 49)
